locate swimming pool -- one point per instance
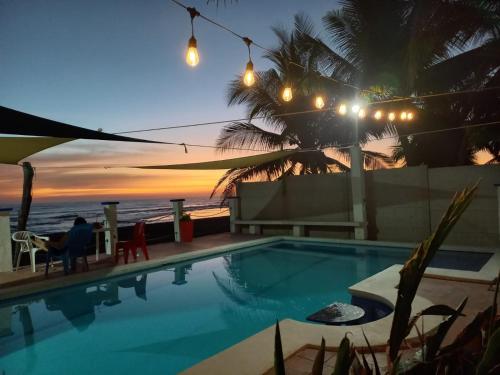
(164, 320)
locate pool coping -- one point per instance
(255, 354)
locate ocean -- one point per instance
(46, 218)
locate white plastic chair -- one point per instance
(23, 238)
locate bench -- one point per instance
(254, 226)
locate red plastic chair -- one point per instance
(138, 241)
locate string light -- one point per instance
(409, 116)
(192, 56)
(403, 116)
(287, 94)
(342, 109)
(362, 113)
(249, 76)
(319, 102)
(391, 116)
(378, 115)
(355, 108)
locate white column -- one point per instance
(111, 222)
(498, 202)
(234, 213)
(358, 192)
(177, 206)
(5, 241)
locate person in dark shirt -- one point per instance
(78, 236)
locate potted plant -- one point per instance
(186, 228)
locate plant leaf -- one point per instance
(491, 357)
(319, 360)
(344, 357)
(433, 342)
(279, 362)
(372, 353)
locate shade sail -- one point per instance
(245, 161)
(15, 149)
(20, 123)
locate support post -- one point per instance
(299, 231)
(234, 213)
(498, 203)
(24, 211)
(178, 209)
(111, 223)
(5, 241)
(358, 192)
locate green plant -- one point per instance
(476, 350)
(185, 217)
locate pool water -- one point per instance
(164, 320)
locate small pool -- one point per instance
(164, 320)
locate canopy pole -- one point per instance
(24, 212)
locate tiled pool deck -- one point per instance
(432, 289)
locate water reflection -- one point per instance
(136, 282)
(180, 273)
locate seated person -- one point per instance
(75, 239)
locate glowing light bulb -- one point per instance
(355, 108)
(192, 57)
(342, 109)
(409, 117)
(249, 77)
(378, 115)
(362, 113)
(403, 116)
(391, 116)
(287, 94)
(319, 102)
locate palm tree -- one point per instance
(309, 132)
(411, 48)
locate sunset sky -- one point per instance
(119, 65)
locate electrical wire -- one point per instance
(338, 147)
(297, 113)
(258, 45)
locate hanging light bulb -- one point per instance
(378, 115)
(192, 56)
(391, 116)
(403, 116)
(342, 109)
(319, 102)
(287, 94)
(362, 113)
(409, 116)
(249, 76)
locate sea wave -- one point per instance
(49, 218)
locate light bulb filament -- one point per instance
(192, 56)
(287, 94)
(249, 76)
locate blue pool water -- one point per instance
(167, 319)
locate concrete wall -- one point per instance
(479, 224)
(403, 204)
